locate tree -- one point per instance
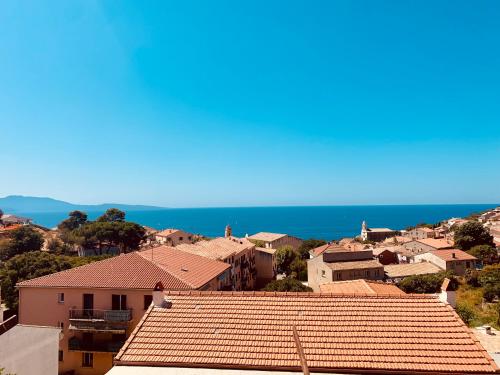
(285, 256)
(485, 253)
(298, 269)
(30, 265)
(308, 245)
(490, 275)
(22, 240)
(112, 215)
(430, 283)
(287, 284)
(75, 220)
(471, 234)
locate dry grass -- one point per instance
(485, 313)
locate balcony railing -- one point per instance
(75, 344)
(101, 315)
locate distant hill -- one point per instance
(13, 204)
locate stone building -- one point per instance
(376, 234)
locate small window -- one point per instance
(61, 325)
(60, 297)
(61, 356)
(181, 238)
(323, 273)
(148, 298)
(87, 359)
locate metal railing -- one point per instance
(104, 315)
(111, 346)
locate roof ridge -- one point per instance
(91, 264)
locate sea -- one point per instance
(321, 222)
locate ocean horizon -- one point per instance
(322, 222)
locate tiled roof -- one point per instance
(447, 255)
(267, 250)
(176, 270)
(408, 269)
(357, 334)
(399, 239)
(354, 265)
(437, 243)
(361, 286)
(10, 228)
(218, 248)
(379, 250)
(380, 230)
(167, 232)
(328, 247)
(266, 236)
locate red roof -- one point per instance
(176, 270)
(453, 254)
(362, 287)
(328, 247)
(357, 334)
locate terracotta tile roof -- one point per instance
(447, 255)
(361, 286)
(399, 239)
(437, 243)
(10, 228)
(219, 248)
(167, 232)
(379, 250)
(425, 229)
(176, 270)
(354, 265)
(266, 250)
(380, 230)
(266, 236)
(409, 269)
(357, 334)
(328, 247)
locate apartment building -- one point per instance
(239, 253)
(98, 305)
(454, 260)
(338, 264)
(275, 240)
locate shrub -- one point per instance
(427, 283)
(491, 291)
(472, 278)
(286, 285)
(465, 312)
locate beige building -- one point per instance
(454, 260)
(98, 305)
(239, 253)
(340, 264)
(425, 245)
(265, 262)
(420, 233)
(174, 237)
(276, 240)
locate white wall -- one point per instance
(28, 350)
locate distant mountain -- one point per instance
(19, 204)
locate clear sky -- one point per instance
(232, 103)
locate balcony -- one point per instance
(77, 345)
(112, 321)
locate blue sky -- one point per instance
(224, 103)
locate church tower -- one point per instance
(228, 232)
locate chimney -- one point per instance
(228, 232)
(447, 295)
(158, 296)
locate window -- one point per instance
(323, 273)
(60, 297)
(148, 298)
(339, 276)
(61, 356)
(118, 302)
(60, 325)
(87, 360)
(181, 238)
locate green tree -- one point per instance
(430, 283)
(112, 215)
(472, 234)
(285, 256)
(30, 265)
(298, 269)
(75, 220)
(465, 312)
(22, 240)
(287, 284)
(485, 253)
(308, 245)
(490, 275)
